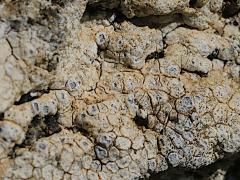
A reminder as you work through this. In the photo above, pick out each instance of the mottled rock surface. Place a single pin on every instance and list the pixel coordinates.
(118, 89)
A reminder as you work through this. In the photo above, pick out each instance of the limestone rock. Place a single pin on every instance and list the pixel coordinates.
(113, 89)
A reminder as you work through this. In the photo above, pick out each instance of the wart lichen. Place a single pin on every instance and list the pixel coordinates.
(132, 88)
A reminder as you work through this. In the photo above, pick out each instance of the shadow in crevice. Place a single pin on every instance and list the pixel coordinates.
(31, 95)
(230, 8)
(94, 12)
(101, 13)
(1, 116)
(41, 127)
(229, 164)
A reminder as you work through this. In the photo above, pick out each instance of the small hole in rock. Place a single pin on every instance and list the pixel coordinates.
(213, 55)
(235, 23)
(140, 121)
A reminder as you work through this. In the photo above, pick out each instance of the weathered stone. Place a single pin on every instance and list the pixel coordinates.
(118, 89)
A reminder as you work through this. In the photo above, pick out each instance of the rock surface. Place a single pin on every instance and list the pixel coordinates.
(117, 89)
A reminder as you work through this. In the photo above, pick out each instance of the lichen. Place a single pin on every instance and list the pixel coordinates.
(117, 89)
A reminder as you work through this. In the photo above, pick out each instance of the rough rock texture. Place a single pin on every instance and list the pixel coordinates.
(117, 89)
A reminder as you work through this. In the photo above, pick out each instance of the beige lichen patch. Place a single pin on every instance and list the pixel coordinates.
(110, 97)
(130, 46)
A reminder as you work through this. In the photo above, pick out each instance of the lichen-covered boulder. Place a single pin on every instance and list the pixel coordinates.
(117, 89)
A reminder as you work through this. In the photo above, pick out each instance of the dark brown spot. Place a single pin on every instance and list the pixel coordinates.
(140, 121)
(230, 8)
(192, 3)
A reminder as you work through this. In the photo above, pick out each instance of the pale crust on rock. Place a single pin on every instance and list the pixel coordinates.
(131, 88)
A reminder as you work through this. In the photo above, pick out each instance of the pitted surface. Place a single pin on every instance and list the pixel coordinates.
(105, 95)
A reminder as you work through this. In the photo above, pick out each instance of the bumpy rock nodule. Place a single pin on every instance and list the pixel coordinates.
(86, 92)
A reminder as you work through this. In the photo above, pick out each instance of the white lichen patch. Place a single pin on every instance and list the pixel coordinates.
(90, 93)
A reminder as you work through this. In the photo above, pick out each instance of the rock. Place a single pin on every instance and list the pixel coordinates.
(118, 89)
